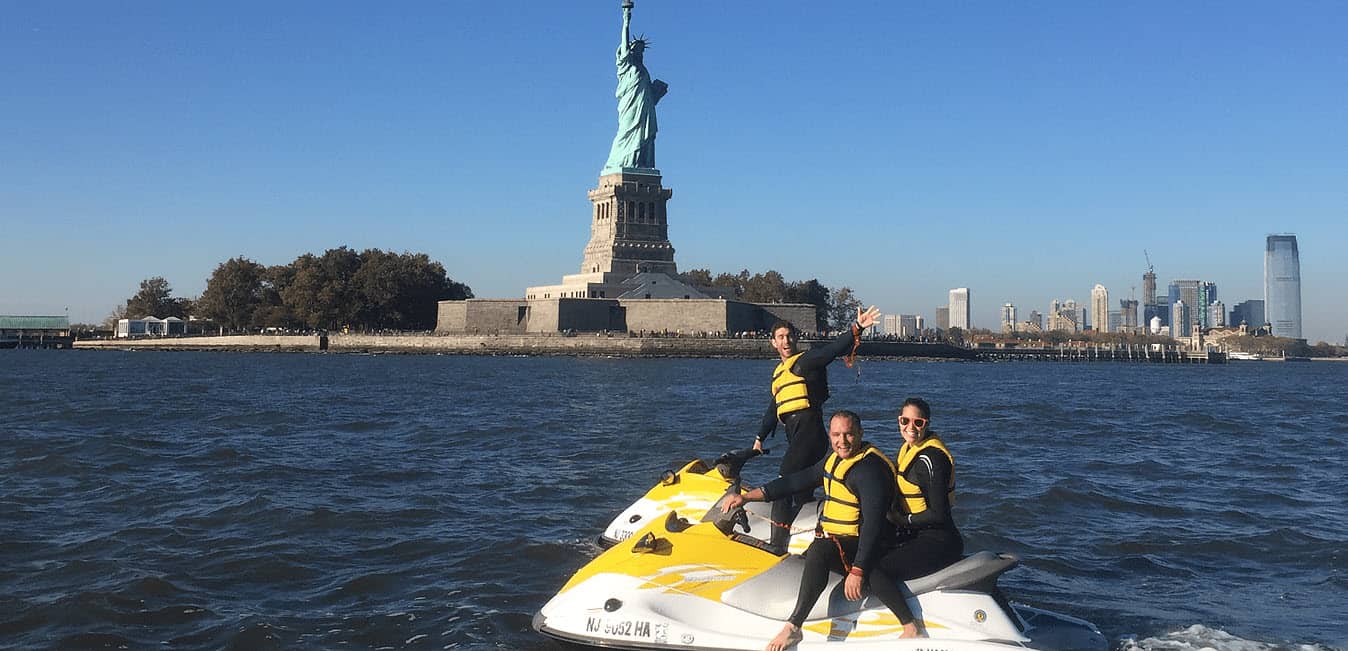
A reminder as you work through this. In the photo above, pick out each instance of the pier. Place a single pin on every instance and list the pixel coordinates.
(1162, 355)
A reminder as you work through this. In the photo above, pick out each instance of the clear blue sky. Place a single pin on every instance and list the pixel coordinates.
(1024, 150)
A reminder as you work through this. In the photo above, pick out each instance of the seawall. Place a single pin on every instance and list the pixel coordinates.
(589, 345)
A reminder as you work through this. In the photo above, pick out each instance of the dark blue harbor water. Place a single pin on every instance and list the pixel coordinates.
(272, 501)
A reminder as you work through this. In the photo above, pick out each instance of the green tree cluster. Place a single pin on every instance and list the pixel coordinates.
(833, 308)
(342, 288)
(156, 299)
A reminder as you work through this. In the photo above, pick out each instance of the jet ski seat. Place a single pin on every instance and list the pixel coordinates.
(772, 594)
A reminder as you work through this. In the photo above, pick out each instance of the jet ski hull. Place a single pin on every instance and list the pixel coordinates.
(680, 585)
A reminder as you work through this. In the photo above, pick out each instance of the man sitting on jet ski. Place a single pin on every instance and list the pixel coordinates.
(853, 531)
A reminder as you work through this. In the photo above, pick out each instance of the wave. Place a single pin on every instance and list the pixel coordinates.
(1199, 637)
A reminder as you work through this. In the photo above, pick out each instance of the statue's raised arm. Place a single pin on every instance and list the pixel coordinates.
(624, 43)
(634, 144)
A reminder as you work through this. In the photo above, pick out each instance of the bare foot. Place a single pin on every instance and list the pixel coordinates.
(910, 630)
(789, 636)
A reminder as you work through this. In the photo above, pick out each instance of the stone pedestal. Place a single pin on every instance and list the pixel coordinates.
(629, 226)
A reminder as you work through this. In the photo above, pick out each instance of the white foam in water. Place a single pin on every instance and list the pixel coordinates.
(1202, 638)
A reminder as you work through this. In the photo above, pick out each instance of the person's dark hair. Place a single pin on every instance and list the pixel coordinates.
(921, 405)
(782, 323)
(850, 416)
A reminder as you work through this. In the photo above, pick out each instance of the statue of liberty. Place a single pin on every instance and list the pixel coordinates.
(634, 144)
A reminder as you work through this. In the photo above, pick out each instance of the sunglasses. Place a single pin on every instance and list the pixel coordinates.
(917, 422)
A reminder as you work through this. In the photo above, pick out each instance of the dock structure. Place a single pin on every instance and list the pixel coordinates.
(1144, 354)
(35, 332)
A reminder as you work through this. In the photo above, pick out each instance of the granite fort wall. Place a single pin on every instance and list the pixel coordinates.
(513, 316)
(483, 316)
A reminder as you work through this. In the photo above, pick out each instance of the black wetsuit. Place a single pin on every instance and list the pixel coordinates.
(872, 481)
(926, 541)
(806, 437)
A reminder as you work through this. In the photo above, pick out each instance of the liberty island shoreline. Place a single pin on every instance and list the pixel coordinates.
(622, 345)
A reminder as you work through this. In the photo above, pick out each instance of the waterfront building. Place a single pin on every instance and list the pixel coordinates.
(959, 308)
(1100, 308)
(889, 324)
(1066, 316)
(1217, 315)
(1160, 309)
(1115, 321)
(35, 331)
(1128, 314)
(1154, 325)
(1250, 313)
(1181, 321)
(911, 325)
(1008, 318)
(1183, 290)
(1149, 288)
(150, 327)
(1282, 285)
(1037, 320)
(943, 318)
(1207, 295)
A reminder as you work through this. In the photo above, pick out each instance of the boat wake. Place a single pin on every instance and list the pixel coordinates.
(1199, 638)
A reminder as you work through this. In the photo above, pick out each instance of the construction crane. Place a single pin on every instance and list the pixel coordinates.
(1149, 267)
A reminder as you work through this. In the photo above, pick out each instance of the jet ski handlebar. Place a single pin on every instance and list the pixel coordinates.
(730, 463)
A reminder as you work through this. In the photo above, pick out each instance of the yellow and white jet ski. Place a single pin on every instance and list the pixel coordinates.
(674, 584)
(693, 489)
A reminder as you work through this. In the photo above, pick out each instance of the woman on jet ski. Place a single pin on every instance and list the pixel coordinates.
(927, 537)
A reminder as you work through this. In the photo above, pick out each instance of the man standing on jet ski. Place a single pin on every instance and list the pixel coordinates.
(799, 389)
(853, 530)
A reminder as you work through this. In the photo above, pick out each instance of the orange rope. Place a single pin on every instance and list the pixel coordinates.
(851, 357)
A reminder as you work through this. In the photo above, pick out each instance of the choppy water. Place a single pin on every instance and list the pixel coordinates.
(255, 501)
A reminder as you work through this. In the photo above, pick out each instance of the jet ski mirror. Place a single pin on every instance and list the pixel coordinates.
(649, 544)
(669, 478)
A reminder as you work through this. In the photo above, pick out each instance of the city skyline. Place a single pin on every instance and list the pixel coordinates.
(164, 140)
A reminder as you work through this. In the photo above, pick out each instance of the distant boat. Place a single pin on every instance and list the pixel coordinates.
(1235, 355)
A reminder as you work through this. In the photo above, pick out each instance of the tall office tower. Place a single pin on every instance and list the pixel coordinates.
(1282, 285)
(943, 318)
(1149, 288)
(1183, 290)
(1008, 318)
(1181, 320)
(1250, 312)
(910, 325)
(1207, 295)
(1128, 313)
(891, 324)
(959, 308)
(1217, 315)
(1037, 319)
(1115, 321)
(1100, 308)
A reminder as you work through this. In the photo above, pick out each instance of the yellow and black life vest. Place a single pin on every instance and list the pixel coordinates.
(842, 509)
(788, 389)
(910, 497)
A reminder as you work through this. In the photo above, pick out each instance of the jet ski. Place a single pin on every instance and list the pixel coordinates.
(705, 585)
(694, 488)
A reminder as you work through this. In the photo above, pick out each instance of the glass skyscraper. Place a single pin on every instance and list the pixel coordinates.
(1282, 285)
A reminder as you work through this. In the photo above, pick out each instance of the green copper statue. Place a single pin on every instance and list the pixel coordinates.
(634, 145)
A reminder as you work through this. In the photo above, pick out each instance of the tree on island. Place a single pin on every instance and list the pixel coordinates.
(234, 294)
(370, 290)
(155, 298)
(844, 308)
(768, 287)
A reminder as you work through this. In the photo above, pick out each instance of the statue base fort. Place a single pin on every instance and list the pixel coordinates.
(627, 280)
